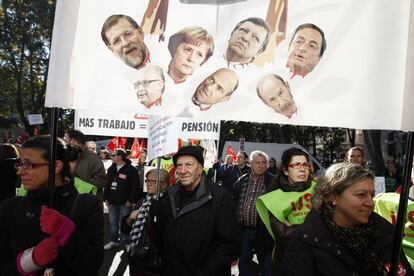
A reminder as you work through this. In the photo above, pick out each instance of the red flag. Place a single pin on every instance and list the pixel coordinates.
(122, 142)
(135, 149)
(113, 144)
(194, 142)
(180, 143)
(231, 152)
(142, 145)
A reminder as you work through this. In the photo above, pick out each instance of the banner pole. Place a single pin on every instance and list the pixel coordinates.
(158, 177)
(54, 116)
(402, 207)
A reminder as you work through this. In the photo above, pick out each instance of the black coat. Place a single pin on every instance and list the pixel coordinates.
(127, 188)
(231, 174)
(201, 238)
(20, 230)
(8, 179)
(314, 251)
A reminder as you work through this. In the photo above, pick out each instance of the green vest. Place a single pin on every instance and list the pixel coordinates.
(386, 205)
(80, 185)
(287, 207)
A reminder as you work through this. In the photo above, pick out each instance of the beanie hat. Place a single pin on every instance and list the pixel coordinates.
(193, 151)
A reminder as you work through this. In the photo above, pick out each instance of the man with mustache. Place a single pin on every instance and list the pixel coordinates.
(125, 38)
(150, 86)
(248, 39)
(305, 49)
(189, 48)
(217, 88)
(275, 93)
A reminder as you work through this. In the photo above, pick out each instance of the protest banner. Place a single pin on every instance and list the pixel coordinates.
(355, 74)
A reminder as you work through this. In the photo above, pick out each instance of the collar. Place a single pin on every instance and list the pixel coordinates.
(234, 65)
(286, 186)
(156, 102)
(147, 60)
(67, 188)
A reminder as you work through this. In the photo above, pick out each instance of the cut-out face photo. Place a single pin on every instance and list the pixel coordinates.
(125, 38)
(305, 49)
(217, 88)
(150, 85)
(248, 39)
(275, 93)
(189, 48)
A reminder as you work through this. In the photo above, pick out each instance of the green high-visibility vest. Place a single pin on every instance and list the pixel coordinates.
(81, 186)
(386, 205)
(287, 207)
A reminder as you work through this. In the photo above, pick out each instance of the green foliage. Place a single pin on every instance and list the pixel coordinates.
(26, 30)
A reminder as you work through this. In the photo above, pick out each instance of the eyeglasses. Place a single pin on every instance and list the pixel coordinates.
(144, 83)
(29, 165)
(150, 181)
(299, 165)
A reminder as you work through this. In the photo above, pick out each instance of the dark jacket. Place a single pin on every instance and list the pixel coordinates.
(231, 174)
(90, 168)
(263, 240)
(20, 230)
(281, 231)
(201, 238)
(134, 268)
(314, 251)
(8, 179)
(127, 185)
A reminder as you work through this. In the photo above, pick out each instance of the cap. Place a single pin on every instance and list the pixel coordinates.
(193, 151)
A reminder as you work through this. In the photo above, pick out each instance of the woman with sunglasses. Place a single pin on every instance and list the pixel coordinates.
(286, 207)
(34, 238)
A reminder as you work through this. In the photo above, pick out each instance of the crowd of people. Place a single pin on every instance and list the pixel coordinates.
(191, 220)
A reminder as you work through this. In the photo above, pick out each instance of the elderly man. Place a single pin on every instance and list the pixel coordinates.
(355, 155)
(275, 93)
(305, 49)
(255, 237)
(189, 48)
(248, 39)
(217, 88)
(196, 221)
(150, 86)
(91, 146)
(125, 38)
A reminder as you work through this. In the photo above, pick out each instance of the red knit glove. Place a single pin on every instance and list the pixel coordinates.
(35, 258)
(55, 224)
(45, 251)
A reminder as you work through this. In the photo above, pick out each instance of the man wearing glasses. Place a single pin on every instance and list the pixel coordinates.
(150, 86)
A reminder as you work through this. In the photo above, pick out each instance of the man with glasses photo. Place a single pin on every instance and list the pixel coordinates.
(150, 86)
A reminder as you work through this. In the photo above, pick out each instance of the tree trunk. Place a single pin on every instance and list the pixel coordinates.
(372, 140)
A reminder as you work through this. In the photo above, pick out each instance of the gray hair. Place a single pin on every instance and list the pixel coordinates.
(255, 153)
(164, 177)
(335, 180)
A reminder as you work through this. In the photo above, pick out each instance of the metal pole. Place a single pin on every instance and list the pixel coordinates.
(402, 207)
(158, 182)
(54, 115)
(158, 177)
